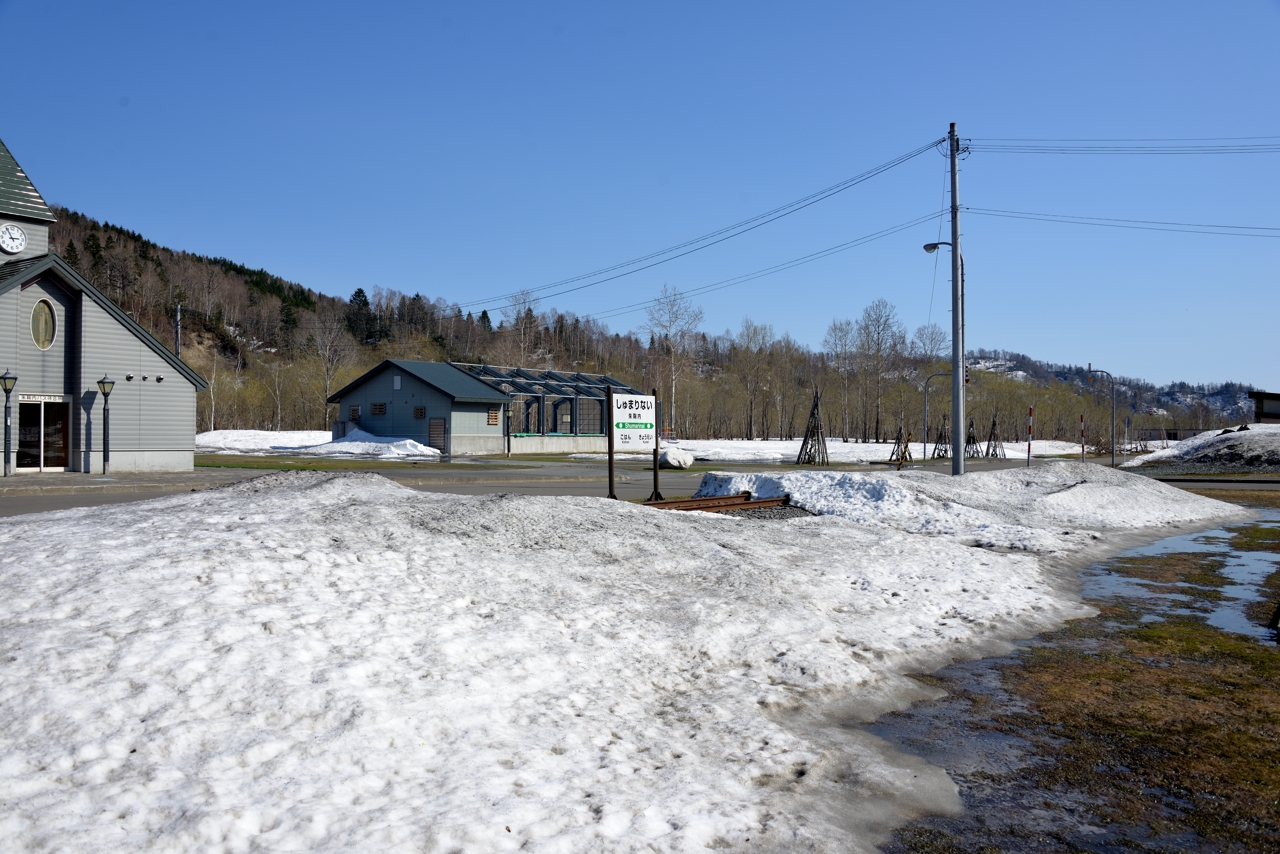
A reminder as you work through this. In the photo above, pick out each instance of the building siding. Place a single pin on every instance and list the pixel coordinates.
(146, 415)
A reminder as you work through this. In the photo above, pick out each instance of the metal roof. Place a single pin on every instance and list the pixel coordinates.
(449, 380)
(17, 273)
(551, 383)
(18, 196)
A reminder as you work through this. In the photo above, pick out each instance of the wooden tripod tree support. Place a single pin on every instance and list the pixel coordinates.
(971, 446)
(901, 449)
(813, 450)
(995, 448)
(942, 447)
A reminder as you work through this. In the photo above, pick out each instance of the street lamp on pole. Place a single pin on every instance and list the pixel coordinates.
(957, 359)
(1093, 370)
(105, 385)
(926, 412)
(7, 382)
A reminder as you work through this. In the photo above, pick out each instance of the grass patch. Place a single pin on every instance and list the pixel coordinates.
(1255, 538)
(1245, 497)
(1170, 718)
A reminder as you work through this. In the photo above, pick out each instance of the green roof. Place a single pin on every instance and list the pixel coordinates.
(453, 382)
(18, 196)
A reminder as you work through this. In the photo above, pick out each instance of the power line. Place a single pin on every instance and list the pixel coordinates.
(708, 240)
(1133, 139)
(1139, 224)
(1124, 147)
(777, 268)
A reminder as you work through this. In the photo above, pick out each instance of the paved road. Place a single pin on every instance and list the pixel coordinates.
(28, 493)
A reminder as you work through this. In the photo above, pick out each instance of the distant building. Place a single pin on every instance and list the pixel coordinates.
(61, 335)
(478, 409)
(1266, 407)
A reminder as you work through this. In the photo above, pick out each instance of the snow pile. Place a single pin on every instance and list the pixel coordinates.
(358, 443)
(673, 457)
(1256, 447)
(1047, 509)
(310, 443)
(334, 662)
(259, 442)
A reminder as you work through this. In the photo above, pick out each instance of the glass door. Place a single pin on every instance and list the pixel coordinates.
(57, 423)
(44, 436)
(29, 429)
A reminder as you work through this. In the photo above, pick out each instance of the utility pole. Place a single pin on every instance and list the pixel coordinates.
(177, 331)
(957, 313)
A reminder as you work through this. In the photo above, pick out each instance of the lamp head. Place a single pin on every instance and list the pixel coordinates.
(8, 381)
(105, 385)
(931, 248)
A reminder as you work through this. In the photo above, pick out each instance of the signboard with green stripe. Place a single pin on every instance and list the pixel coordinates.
(634, 422)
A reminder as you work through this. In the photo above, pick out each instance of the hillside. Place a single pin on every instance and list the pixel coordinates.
(273, 351)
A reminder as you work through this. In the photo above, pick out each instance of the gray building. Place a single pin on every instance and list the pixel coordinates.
(432, 403)
(59, 335)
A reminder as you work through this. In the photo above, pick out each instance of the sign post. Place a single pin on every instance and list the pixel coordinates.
(1030, 412)
(657, 495)
(608, 410)
(632, 426)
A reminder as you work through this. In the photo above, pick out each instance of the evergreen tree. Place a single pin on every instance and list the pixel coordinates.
(360, 319)
(485, 321)
(71, 255)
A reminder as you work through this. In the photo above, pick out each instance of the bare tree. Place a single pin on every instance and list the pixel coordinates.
(839, 344)
(333, 348)
(753, 343)
(673, 323)
(881, 339)
(520, 315)
(929, 342)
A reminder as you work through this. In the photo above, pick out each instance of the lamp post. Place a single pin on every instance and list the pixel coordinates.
(105, 385)
(7, 382)
(1093, 370)
(957, 357)
(926, 412)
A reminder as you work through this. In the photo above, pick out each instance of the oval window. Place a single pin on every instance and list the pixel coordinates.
(43, 324)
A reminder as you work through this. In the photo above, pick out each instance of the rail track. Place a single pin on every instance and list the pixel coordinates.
(720, 503)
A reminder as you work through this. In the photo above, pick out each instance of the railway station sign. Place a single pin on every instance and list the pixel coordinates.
(634, 422)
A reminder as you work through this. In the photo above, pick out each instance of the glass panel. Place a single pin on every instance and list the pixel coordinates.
(57, 420)
(28, 435)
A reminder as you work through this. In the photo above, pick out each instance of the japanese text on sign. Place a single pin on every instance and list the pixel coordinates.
(634, 422)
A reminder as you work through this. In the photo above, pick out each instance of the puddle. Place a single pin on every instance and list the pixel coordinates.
(1245, 569)
(1017, 761)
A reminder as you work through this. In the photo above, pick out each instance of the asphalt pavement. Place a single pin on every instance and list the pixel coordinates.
(39, 493)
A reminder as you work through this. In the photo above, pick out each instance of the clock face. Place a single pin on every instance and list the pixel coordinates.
(12, 238)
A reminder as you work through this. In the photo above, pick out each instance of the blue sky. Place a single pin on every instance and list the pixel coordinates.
(467, 150)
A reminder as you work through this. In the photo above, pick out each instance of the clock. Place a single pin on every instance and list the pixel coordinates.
(12, 238)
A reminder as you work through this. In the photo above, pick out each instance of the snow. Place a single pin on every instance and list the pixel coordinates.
(330, 661)
(310, 443)
(1259, 445)
(854, 453)
(673, 457)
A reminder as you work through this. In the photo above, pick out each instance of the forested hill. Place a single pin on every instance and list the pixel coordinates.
(150, 281)
(274, 350)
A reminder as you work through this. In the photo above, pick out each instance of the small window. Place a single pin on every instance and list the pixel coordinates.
(419, 412)
(395, 383)
(377, 409)
(43, 324)
(354, 414)
(493, 416)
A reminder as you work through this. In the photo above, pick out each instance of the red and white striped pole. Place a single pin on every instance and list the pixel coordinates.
(1030, 412)
(1081, 438)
